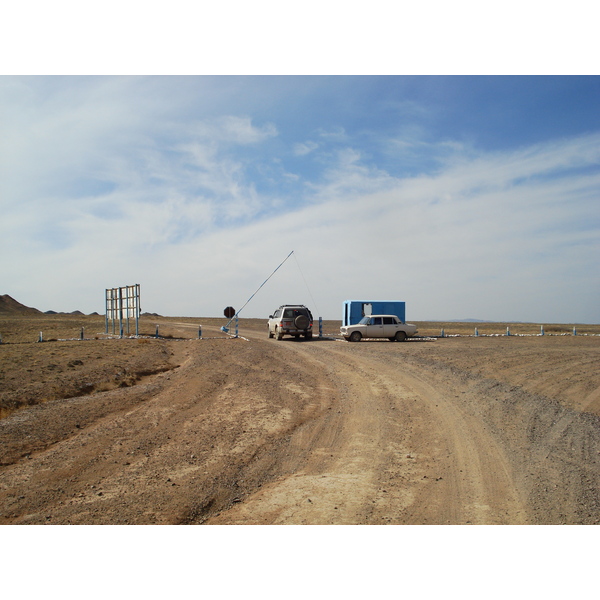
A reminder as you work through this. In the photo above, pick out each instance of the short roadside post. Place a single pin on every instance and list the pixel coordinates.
(320, 327)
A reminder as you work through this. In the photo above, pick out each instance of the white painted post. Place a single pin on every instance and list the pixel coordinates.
(121, 311)
(476, 332)
(443, 334)
(41, 338)
(542, 330)
(507, 331)
(574, 331)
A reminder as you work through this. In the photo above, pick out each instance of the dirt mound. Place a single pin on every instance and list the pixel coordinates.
(9, 306)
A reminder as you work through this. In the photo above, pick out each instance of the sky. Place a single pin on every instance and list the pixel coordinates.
(464, 196)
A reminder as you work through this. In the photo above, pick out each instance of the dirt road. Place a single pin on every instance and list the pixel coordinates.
(258, 431)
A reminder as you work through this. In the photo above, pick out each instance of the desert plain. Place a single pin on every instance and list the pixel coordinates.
(178, 429)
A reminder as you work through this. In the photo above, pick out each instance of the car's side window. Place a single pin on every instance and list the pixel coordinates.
(377, 321)
(276, 314)
(388, 321)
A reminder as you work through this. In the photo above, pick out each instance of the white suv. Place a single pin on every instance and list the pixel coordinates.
(291, 319)
(379, 326)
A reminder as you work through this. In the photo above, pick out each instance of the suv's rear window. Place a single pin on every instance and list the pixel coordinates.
(291, 313)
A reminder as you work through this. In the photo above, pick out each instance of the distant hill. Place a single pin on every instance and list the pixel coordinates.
(9, 306)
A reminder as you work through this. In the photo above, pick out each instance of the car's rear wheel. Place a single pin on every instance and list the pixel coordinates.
(270, 334)
(400, 336)
(278, 334)
(355, 336)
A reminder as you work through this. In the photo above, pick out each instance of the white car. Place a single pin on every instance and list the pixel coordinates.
(379, 326)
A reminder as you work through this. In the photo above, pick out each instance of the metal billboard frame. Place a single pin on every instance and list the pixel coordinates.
(122, 304)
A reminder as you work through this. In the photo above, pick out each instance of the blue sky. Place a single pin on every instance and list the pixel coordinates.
(465, 196)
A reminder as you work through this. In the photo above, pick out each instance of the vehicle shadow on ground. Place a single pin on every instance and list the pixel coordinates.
(302, 340)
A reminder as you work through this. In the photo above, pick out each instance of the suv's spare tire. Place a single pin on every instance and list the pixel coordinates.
(301, 321)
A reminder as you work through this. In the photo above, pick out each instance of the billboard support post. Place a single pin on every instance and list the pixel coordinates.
(122, 304)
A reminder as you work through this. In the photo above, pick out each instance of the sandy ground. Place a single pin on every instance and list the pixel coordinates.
(460, 430)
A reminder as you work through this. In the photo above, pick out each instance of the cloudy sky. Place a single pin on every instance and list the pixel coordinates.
(464, 196)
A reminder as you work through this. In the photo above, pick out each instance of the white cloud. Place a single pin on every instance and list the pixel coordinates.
(494, 254)
(305, 148)
(233, 129)
(334, 134)
(96, 193)
(485, 239)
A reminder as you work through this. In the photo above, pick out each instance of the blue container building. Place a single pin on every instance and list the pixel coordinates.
(355, 310)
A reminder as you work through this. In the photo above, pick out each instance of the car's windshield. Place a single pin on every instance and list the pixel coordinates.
(364, 321)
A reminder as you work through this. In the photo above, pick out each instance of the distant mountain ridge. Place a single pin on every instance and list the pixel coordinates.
(9, 305)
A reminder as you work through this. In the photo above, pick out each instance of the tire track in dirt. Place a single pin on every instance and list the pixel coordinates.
(394, 450)
(327, 473)
(468, 479)
(261, 431)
